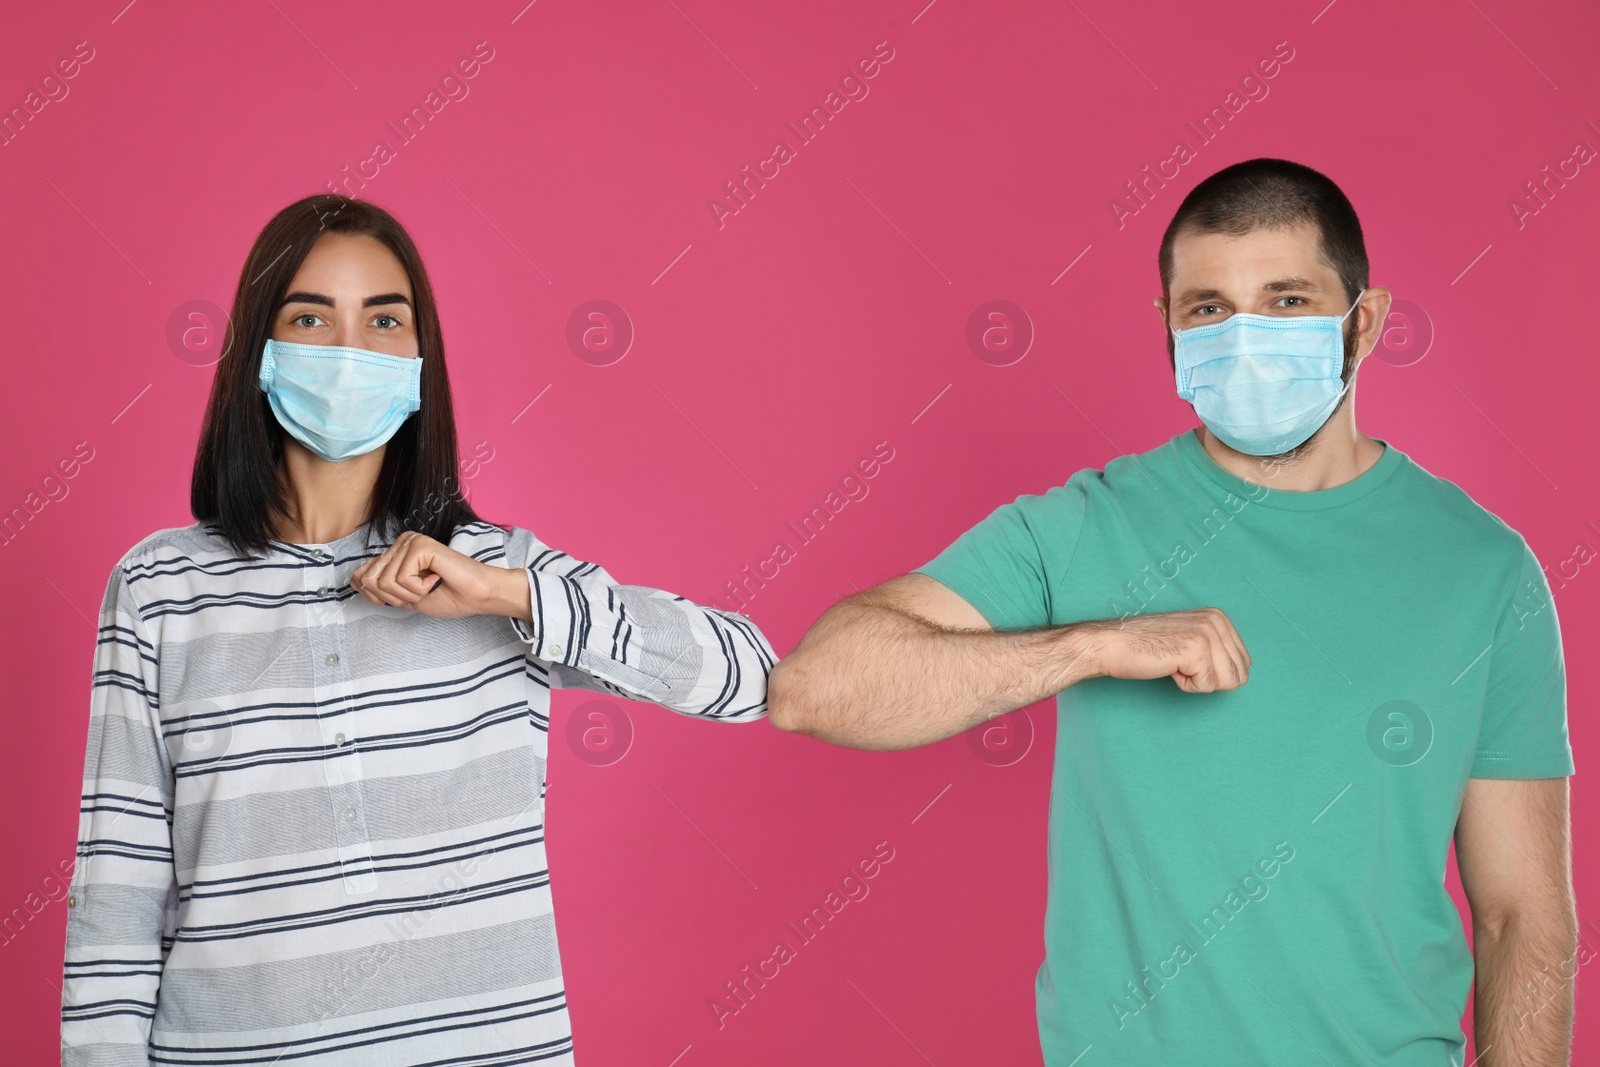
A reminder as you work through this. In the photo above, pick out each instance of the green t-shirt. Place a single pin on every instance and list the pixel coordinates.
(1257, 876)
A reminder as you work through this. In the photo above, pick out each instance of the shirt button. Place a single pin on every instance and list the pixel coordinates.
(555, 650)
(324, 591)
(331, 659)
(338, 739)
(350, 814)
(72, 901)
(318, 553)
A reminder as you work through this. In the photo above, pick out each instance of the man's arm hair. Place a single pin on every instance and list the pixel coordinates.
(910, 662)
(1513, 846)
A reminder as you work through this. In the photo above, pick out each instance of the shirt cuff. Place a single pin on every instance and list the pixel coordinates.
(559, 629)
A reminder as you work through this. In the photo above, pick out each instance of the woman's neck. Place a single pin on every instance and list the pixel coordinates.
(325, 501)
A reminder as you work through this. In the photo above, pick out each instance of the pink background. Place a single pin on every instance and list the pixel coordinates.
(772, 353)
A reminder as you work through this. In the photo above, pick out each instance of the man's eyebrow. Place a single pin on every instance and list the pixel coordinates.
(1190, 296)
(371, 301)
(1293, 284)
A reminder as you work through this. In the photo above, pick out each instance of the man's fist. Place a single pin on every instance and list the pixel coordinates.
(1199, 650)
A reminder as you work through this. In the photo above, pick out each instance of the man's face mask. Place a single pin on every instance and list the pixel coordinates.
(1263, 383)
(339, 402)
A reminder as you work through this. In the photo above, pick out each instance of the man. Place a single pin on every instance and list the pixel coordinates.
(1290, 663)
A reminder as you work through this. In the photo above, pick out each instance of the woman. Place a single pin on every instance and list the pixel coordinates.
(313, 808)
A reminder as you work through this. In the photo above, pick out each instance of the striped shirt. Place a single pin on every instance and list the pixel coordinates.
(312, 829)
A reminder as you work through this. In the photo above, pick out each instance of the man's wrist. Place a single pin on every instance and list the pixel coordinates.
(1077, 650)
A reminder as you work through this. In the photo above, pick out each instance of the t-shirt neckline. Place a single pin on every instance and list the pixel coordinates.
(1201, 463)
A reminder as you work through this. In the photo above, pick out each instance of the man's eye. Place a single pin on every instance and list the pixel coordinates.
(1299, 298)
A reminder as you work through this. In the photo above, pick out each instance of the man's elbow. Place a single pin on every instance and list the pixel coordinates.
(787, 708)
(1543, 918)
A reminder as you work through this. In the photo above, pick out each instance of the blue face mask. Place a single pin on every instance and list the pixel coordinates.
(339, 402)
(1263, 383)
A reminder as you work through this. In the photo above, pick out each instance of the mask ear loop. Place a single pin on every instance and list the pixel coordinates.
(1354, 304)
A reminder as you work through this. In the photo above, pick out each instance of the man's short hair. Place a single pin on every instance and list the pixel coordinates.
(1270, 194)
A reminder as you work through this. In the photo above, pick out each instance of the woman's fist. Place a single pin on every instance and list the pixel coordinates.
(419, 573)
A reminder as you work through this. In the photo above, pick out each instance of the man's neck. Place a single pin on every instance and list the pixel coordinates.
(1336, 454)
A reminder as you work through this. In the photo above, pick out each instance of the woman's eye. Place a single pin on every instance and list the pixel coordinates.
(390, 318)
(300, 319)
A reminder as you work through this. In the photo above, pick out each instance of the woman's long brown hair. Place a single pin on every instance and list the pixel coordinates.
(236, 484)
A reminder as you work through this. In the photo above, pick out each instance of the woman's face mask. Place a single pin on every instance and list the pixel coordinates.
(339, 402)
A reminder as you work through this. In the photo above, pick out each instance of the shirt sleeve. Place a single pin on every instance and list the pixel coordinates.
(1524, 728)
(1003, 566)
(637, 642)
(122, 902)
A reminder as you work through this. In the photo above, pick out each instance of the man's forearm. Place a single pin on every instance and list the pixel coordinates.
(868, 676)
(1522, 1012)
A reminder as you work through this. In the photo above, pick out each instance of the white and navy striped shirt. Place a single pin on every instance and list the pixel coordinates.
(312, 830)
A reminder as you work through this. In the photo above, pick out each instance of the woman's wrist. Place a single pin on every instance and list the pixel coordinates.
(512, 596)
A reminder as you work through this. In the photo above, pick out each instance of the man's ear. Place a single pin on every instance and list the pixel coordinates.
(1377, 301)
(1161, 308)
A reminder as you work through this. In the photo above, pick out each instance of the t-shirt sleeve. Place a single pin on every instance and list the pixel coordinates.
(1005, 564)
(1524, 728)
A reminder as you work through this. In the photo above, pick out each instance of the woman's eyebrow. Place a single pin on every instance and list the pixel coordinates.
(306, 298)
(318, 298)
